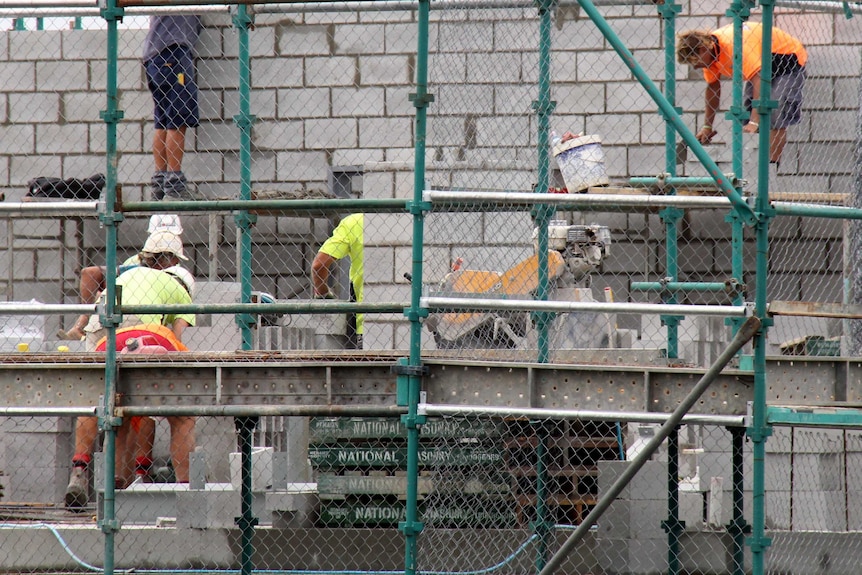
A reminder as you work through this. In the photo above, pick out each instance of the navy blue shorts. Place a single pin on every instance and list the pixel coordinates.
(787, 90)
(171, 80)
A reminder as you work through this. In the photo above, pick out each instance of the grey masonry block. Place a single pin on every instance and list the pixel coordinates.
(854, 509)
(303, 40)
(54, 139)
(777, 508)
(385, 70)
(650, 483)
(819, 511)
(818, 440)
(39, 45)
(388, 229)
(352, 101)
(499, 131)
(378, 185)
(34, 108)
(633, 520)
(61, 76)
(223, 74)
(361, 39)
(379, 262)
(330, 133)
(385, 132)
(818, 472)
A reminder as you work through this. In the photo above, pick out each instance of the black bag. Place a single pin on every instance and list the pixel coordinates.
(70, 189)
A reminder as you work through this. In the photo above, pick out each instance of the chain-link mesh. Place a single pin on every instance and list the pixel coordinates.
(811, 492)
(332, 118)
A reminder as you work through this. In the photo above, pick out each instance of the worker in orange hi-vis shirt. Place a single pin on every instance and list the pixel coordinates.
(712, 52)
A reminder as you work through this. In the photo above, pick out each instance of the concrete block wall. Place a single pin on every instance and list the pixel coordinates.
(332, 89)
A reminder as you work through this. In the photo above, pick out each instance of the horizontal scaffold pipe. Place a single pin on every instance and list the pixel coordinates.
(263, 410)
(580, 414)
(284, 307)
(341, 5)
(49, 4)
(475, 199)
(492, 304)
(813, 210)
(680, 286)
(71, 209)
(7, 308)
(47, 411)
(77, 12)
(328, 205)
(842, 7)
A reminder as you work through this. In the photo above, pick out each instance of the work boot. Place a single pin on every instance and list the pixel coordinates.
(78, 490)
(176, 187)
(157, 186)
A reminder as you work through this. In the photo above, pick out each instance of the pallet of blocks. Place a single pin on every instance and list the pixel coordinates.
(569, 452)
(360, 466)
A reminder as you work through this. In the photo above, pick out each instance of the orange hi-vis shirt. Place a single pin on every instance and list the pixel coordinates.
(752, 50)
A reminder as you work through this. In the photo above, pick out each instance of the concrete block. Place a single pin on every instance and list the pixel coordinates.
(61, 76)
(650, 483)
(352, 101)
(330, 133)
(385, 70)
(34, 108)
(633, 520)
(302, 39)
(854, 509)
(385, 132)
(819, 511)
(777, 507)
(53, 139)
(818, 472)
(261, 468)
(36, 45)
(216, 507)
(818, 440)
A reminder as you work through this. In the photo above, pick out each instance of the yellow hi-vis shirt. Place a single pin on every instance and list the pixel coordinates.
(148, 286)
(347, 241)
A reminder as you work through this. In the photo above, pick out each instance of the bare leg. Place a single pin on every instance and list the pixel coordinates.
(86, 432)
(144, 440)
(160, 154)
(182, 444)
(777, 141)
(175, 145)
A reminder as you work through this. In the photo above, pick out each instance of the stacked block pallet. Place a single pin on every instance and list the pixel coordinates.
(472, 473)
(360, 466)
(571, 451)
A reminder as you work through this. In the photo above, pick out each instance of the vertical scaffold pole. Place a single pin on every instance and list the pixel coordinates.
(670, 215)
(544, 107)
(410, 371)
(760, 429)
(109, 218)
(672, 525)
(737, 528)
(246, 521)
(739, 11)
(243, 21)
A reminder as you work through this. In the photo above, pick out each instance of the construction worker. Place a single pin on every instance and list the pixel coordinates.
(148, 283)
(347, 240)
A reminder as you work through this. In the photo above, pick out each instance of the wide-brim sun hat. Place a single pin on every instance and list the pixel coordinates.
(165, 242)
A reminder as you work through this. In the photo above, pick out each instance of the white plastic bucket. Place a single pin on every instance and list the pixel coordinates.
(582, 163)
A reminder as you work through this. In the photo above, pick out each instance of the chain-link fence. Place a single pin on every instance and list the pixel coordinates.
(328, 494)
(330, 115)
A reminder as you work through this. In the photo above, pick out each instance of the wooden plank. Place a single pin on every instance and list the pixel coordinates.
(815, 309)
(330, 429)
(363, 457)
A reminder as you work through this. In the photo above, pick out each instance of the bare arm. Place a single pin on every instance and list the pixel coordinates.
(320, 269)
(179, 327)
(712, 100)
(753, 124)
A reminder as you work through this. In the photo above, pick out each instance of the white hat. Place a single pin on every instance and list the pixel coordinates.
(165, 223)
(162, 242)
(184, 276)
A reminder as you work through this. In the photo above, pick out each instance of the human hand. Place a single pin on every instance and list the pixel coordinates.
(569, 136)
(751, 128)
(706, 134)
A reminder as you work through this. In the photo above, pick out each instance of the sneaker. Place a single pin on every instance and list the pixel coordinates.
(78, 490)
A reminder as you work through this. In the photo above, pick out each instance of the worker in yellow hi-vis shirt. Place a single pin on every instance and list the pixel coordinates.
(346, 241)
